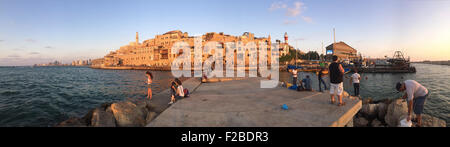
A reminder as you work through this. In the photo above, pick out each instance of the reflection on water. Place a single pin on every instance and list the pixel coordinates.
(381, 86)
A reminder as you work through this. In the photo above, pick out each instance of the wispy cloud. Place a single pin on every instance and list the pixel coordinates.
(34, 53)
(30, 40)
(307, 19)
(277, 5)
(294, 11)
(14, 56)
(2, 40)
(49, 47)
(287, 22)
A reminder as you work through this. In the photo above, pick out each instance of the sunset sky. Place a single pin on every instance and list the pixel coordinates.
(40, 31)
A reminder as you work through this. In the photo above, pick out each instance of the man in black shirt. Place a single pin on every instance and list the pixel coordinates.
(336, 72)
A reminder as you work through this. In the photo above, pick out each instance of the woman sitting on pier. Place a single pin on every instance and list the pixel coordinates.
(177, 90)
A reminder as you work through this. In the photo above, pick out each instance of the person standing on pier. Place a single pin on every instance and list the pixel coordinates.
(355, 79)
(294, 76)
(321, 81)
(336, 72)
(149, 84)
(416, 95)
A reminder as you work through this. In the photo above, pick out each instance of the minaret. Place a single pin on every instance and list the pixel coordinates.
(285, 38)
(137, 38)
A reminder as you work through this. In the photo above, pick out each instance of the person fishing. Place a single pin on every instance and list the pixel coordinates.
(321, 81)
(306, 82)
(416, 95)
(355, 79)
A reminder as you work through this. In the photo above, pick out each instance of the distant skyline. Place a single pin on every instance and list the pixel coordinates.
(41, 31)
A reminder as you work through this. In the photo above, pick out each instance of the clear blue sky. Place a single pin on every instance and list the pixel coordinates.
(39, 31)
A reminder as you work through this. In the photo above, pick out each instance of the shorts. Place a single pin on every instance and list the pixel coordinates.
(339, 88)
(149, 85)
(418, 103)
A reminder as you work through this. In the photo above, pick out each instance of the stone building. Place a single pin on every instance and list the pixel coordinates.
(157, 51)
(342, 50)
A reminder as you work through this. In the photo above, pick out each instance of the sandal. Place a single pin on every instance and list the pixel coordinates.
(341, 104)
(332, 102)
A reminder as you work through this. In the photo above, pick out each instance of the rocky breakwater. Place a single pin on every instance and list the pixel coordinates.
(129, 113)
(119, 114)
(389, 113)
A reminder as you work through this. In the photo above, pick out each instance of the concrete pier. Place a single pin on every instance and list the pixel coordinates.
(242, 103)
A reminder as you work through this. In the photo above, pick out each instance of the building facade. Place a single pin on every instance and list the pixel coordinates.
(342, 50)
(157, 51)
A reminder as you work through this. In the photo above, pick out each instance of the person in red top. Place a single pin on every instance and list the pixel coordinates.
(149, 86)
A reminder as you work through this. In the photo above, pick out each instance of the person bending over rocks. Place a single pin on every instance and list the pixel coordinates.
(416, 95)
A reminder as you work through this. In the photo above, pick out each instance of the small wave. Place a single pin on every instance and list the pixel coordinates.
(9, 93)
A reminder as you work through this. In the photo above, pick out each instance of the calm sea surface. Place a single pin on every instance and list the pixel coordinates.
(381, 86)
(44, 96)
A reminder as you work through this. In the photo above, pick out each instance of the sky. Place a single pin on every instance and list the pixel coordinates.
(40, 31)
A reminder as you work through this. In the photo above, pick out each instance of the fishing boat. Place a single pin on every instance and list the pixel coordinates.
(397, 64)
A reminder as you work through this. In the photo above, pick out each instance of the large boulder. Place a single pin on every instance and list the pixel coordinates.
(150, 117)
(429, 121)
(382, 110)
(396, 110)
(360, 122)
(103, 118)
(370, 111)
(367, 101)
(72, 122)
(376, 123)
(127, 114)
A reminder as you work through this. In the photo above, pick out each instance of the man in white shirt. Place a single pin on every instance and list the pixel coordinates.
(355, 78)
(416, 95)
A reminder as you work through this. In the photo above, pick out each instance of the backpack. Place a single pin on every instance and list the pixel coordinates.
(186, 92)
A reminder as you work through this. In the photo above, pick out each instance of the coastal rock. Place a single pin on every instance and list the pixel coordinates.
(155, 108)
(382, 110)
(370, 111)
(72, 122)
(127, 114)
(376, 123)
(360, 122)
(367, 101)
(103, 118)
(150, 117)
(395, 111)
(430, 121)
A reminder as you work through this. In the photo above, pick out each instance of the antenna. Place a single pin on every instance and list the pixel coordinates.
(334, 35)
(323, 53)
(334, 38)
(296, 44)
